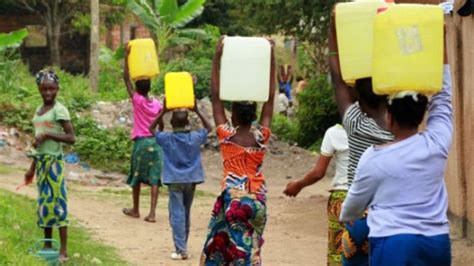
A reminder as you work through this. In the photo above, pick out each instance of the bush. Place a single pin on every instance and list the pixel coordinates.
(317, 111)
(108, 150)
(111, 86)
(285, 128)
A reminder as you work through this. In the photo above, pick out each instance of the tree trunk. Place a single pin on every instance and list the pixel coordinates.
(55, 55)
(94, 46)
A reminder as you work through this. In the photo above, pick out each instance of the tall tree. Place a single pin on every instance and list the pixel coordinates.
(54, 13)
(307, 20)
(94, 46)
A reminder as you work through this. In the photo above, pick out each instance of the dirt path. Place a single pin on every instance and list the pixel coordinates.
(295, 233)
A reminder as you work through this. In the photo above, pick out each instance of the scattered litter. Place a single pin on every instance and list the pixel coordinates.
(71, 158)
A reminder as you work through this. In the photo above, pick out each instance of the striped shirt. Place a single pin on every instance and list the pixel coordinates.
(362, 132)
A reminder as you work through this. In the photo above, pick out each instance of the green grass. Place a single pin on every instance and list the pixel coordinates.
(18, 232)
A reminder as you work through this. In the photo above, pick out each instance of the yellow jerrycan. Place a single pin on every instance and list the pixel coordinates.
(245, 69)
(143, 60)
(354, 30)
(408, 49)
(179, 90)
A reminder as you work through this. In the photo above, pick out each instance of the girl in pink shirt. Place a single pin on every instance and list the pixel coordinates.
(146, 155)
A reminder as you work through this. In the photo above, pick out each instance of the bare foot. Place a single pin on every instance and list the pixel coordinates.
(63, 258)
(150, 218)
(131, 213)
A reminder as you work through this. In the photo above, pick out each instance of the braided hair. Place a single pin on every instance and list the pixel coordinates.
(47, 74)
(408, 111)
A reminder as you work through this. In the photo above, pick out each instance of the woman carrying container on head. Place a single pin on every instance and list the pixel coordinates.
(239, 214)
(402, 183)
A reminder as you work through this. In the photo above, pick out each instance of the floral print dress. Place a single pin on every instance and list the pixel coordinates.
(239, 215)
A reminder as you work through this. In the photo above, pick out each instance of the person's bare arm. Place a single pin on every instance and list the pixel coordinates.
(344, 97)
(30, 174)
(204, 120)
(267, 109)
(159, 120)
(317, 173)
(217, 104)
(126, 74)
(66, 137)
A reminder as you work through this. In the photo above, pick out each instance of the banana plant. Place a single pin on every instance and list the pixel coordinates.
(166, 20)
(12, 39)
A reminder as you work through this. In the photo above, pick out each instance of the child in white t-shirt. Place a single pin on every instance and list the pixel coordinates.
(335, 145)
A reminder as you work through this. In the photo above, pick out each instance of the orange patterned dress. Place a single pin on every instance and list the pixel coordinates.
(239, 215)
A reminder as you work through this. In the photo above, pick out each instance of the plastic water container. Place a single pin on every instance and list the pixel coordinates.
(354, 30)
(50, 256)
(245, 69)
(408, 49)
(142, 60)
(179, 90)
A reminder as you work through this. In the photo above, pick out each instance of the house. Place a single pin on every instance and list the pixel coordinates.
(74, 46)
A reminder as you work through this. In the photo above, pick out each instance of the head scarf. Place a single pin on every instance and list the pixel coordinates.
(47, 75)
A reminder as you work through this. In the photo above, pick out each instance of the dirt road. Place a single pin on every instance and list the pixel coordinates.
(295, 233)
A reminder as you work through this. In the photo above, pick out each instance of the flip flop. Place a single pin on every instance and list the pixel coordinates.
(148, 219)
(128, 212)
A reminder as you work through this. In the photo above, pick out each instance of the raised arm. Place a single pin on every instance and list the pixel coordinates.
(440, 112)
(342, 92)
(201, 116)
(217, 104)
(126, 74)
(267, 109)
(159, 120)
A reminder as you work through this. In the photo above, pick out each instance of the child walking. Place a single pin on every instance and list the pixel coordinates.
(238, 219)
(364, 121)
(53, 127)
(146, 155)
(334, 145)
(182, 170)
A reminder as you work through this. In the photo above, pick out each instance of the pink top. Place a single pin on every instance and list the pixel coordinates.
(144, 112)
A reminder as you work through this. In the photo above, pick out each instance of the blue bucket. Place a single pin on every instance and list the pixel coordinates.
(50, 255)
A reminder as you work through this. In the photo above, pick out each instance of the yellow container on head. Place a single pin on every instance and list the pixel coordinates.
(354, 30)
(408, 49)
(179, 90)
(143, 60)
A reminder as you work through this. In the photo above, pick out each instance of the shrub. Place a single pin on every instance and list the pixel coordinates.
(285, 128)
(111, 86)
(106, 149)
(317, 111)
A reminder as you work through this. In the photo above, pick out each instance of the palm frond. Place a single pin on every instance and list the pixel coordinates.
(190, 10)
(168, 10)
(146, 14)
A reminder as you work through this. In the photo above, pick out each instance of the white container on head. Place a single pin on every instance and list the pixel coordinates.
(245, 69)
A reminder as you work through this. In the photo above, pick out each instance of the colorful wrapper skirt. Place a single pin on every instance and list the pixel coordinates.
(52, 201)
(236, 229)
(146, 163)
(355, 241)
(335, 228)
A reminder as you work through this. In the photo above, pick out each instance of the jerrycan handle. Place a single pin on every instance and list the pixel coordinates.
(36, 246)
